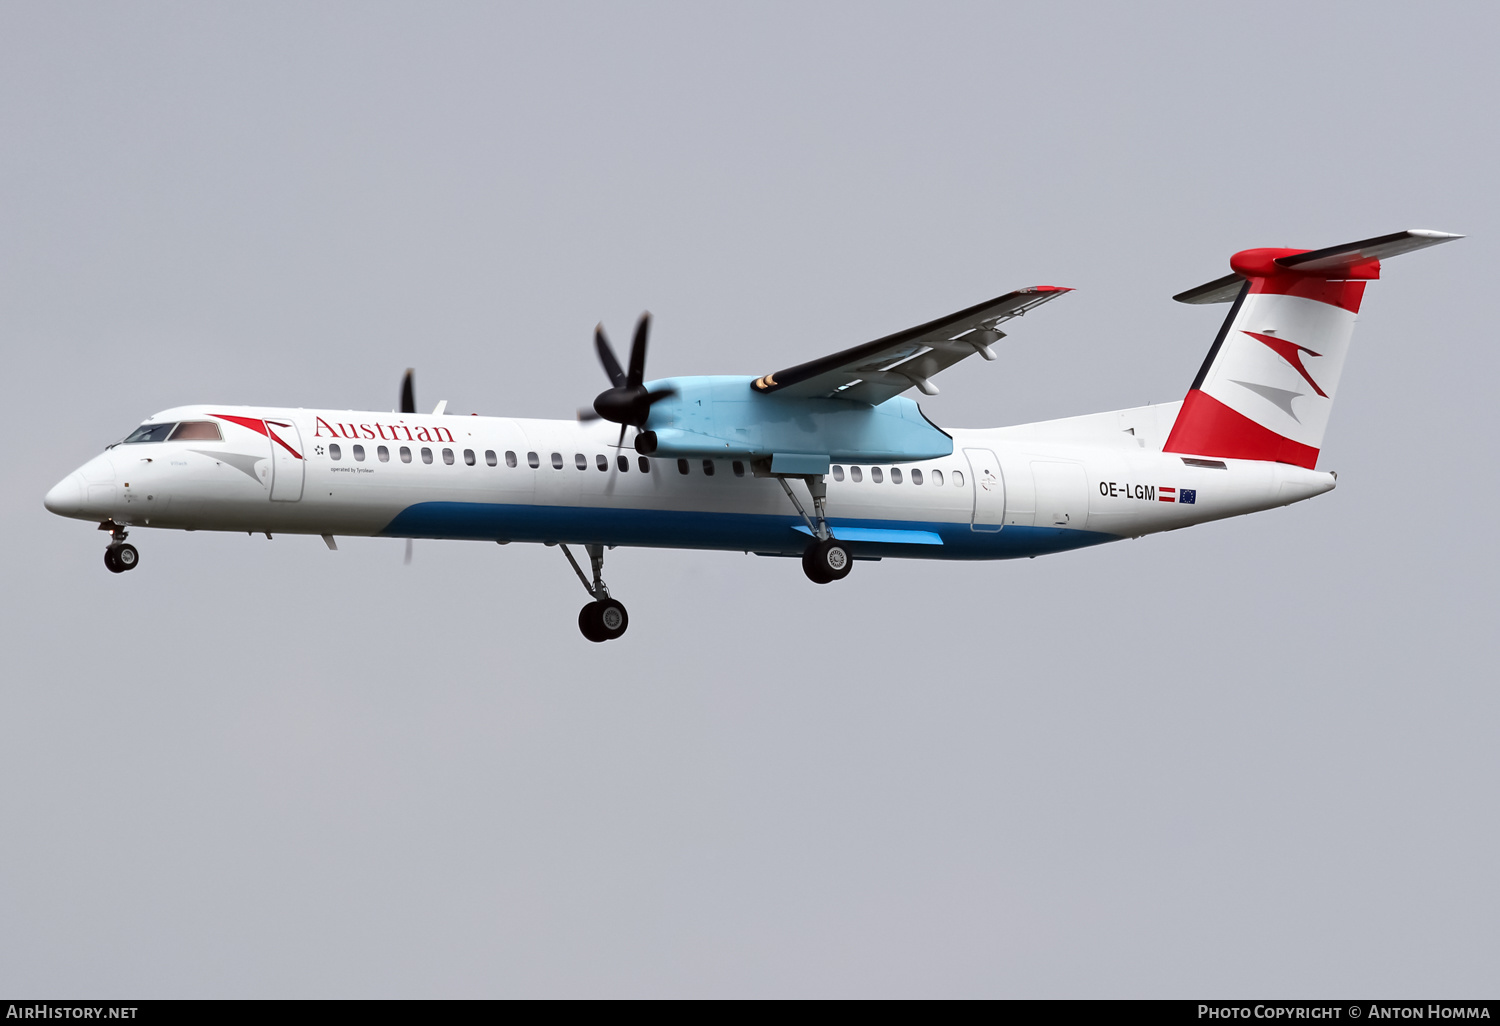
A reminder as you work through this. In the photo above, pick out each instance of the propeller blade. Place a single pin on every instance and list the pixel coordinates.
(408, 394)
(586, 415)
(407, 560)
(614, 464)
(607, 357)
(638, 352)
(659, 394)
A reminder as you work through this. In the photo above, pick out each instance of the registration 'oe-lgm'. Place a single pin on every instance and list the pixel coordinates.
(827, 460)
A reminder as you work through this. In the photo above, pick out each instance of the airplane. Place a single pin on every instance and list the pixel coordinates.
(717, 462)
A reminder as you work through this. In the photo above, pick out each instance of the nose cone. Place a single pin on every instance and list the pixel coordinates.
(66, 498)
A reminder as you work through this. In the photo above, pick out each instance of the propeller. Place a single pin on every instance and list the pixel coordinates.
(408, 394)
(628, 403)
(408, 405)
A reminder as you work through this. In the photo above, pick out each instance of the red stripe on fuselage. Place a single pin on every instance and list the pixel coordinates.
(259, 427)
(253, 423)
(1207, 427)
(277, 439)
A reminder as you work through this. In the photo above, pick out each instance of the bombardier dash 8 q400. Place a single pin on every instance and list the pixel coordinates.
(826, 460)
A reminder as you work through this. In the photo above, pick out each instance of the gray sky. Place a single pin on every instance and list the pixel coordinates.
(1256, 757)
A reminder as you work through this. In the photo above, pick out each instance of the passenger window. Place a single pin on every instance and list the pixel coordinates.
(468, 457)
(958, 479)
(877, 475)
(448, 457)
(383, 454)
(937, 477)
(359, 453)
(533, 460)
(426, 455)
(623, 462)
(557, 461)
(838, 472)
(856, 475)
(580, 461)
(405, 454)
(916, 476)
(601, 461)
(895, 475)
(149, 433)
(708, 468)
(334, 452)
(739, 468)
(490, 459)
(682, 466)
(196, 431)
(644, 464)
(510, 459)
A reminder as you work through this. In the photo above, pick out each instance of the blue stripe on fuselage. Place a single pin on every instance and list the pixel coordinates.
(749, 532)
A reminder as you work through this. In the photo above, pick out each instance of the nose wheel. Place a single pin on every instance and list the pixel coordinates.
(120, 558)
(603, 619)
(120, 555)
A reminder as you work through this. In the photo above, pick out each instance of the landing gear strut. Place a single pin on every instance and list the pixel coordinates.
(119, 556)
(603, 619)
(827, 559)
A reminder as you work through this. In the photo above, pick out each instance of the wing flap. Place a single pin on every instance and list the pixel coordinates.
(878, 370)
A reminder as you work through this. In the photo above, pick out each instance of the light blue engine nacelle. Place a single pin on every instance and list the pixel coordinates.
(717, 417)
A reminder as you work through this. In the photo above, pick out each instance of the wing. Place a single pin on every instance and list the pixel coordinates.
(875, 371)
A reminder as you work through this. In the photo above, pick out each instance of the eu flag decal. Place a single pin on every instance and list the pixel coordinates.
(1189, 495)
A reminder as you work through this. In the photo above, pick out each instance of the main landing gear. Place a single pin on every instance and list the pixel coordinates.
(603, 619)
(827, 559)
(119, 556)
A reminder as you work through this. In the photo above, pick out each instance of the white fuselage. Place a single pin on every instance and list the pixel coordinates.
(1004, 492)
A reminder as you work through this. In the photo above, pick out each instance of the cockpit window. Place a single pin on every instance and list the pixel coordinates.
(149, 433)
(196, 431)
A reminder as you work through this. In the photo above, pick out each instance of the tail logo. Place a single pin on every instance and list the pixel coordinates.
(1291, 352)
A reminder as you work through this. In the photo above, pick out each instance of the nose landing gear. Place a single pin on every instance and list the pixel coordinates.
(603, 619)
(119, 556)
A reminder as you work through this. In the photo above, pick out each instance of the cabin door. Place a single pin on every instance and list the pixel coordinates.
(989, 490)
(286, 460)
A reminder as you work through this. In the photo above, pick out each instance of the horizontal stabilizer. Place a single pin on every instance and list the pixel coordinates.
(1328, 262)
(1353, 260)
(1220, 290)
